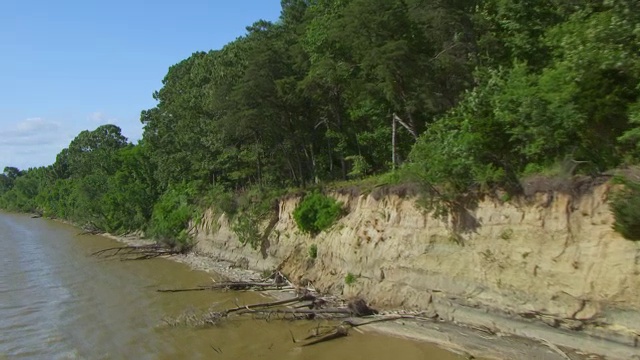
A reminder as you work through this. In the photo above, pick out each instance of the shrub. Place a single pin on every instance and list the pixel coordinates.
(625, 205)
(313, 251)
(316, 212)
(252, 208)
(222, 200)
(246, 228)
(360, 167)
(350, 279)
(507, 234)
(171, 215)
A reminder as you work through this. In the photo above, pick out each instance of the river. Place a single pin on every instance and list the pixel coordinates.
(58, 302)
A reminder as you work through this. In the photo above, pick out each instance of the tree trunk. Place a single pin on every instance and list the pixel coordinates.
(393, 142)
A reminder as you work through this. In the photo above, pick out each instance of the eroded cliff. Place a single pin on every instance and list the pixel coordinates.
(551, 257)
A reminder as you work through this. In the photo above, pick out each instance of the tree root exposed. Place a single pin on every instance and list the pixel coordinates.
(143, 252)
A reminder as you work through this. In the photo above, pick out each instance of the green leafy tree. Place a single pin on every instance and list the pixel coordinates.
(171, 215)
(8, 178)
(131, 192)
(94, 151)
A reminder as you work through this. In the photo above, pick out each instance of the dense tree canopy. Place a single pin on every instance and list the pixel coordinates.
(482, 92)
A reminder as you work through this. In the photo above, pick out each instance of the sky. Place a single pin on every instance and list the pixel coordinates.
(73, 65)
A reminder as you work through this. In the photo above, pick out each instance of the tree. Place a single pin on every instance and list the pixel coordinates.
(131, 192)
(8, 178)
(94, 152)
(12, 172)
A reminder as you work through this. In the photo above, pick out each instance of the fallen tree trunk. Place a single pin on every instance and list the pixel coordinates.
(91, 229)
(340, 331)
(307, 306)
(233, 285)
(269, 310)
(336, 311)
(275, 281)
(142, 252)
(343, 328)
(253, 307)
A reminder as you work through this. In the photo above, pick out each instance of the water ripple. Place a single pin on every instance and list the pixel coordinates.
(58, 303)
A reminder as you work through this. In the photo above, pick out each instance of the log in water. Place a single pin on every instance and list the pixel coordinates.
(57, 302)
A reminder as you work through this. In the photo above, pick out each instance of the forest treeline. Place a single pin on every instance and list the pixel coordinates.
(459, 95)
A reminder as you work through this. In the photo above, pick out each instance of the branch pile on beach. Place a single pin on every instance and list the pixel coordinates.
(141, 252)
(306, 304)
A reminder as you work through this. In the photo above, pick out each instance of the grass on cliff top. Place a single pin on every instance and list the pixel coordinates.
(371, 184)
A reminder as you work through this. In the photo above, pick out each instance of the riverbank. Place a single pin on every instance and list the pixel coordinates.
(479, 342)
(531, 277)
(546, 266)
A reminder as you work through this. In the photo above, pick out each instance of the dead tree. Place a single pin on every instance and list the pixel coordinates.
(142, 252)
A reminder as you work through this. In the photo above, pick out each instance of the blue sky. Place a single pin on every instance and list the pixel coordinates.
(72, 65)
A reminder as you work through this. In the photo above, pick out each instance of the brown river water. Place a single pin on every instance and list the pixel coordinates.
(58, 302)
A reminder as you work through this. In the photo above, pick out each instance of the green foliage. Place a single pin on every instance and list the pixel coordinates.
(94, 151)
(391, 178)
(171, 216)
(253, 208)
(360, 167)
(292, 102)
(316, 212)
(313, 251)
(507, 234)
(223, 200)
(565, 96)
(130, 193)
(511, 30)
(625, 205)
(350, 279)
(22, 188)
(247, 229)
(118, 202)
(630, 139)
(486, 92)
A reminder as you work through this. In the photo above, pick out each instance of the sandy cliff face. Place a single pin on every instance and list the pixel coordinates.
(553, 258)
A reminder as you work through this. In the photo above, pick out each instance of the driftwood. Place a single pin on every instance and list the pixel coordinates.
(307, 297)
(91, 229)
(233, 285)
(307, 305)
(300, 314)
(90, 232)
(310, 306)
(343, 328)
(142, 252)
(275, 310)
(275, 281)
(340, 331)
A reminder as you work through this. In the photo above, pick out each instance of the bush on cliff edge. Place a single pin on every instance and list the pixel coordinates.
(625, 205)
(316, 212)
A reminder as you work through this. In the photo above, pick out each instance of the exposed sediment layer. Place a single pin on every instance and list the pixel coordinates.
(547, 267)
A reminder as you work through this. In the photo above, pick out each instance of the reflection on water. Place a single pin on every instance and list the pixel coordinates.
(56, 302)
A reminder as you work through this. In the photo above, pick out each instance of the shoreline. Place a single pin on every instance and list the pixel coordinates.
(505, 338)
(473, 342)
